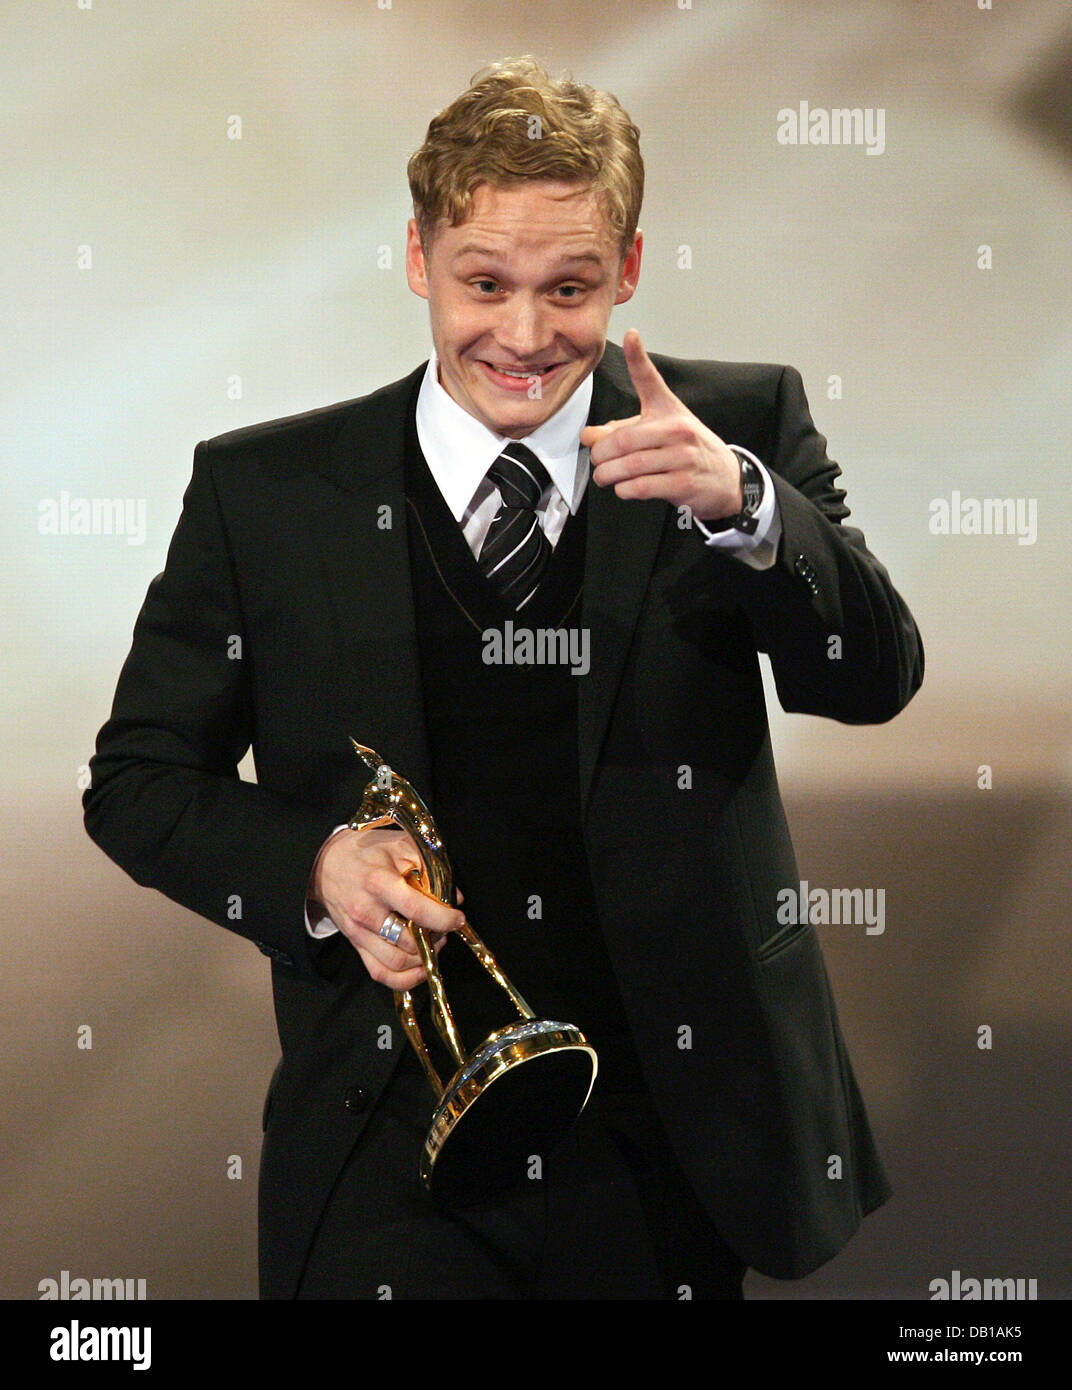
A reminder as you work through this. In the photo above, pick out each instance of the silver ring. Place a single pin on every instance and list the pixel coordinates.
(392, 927)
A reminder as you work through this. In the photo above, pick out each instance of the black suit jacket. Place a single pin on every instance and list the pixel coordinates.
(284, 619)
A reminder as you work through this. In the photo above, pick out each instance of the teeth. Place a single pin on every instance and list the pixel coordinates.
(507, 371)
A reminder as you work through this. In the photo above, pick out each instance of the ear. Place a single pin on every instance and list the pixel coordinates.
(416, 270)
(630, 272)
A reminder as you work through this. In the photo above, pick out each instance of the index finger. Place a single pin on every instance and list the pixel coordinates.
(452, 917)
(651, 389)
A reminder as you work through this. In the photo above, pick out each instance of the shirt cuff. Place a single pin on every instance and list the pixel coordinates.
(317, 921)
(760, 548)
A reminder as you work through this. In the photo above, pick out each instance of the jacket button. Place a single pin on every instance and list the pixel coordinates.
(357, 1100)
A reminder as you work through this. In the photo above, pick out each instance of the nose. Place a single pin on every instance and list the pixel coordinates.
(524, 330)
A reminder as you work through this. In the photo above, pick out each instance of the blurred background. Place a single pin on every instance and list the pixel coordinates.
(164, 281)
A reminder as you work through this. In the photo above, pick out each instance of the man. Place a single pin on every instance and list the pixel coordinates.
(614, 820)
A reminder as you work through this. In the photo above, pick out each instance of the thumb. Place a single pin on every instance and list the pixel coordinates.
(591, 434)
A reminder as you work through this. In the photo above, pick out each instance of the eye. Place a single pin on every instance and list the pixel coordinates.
(489, 286)
(571, 291)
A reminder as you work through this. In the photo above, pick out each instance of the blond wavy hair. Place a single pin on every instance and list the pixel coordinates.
(516, 123)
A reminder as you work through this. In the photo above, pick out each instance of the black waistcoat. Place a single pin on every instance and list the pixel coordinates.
(505, 789)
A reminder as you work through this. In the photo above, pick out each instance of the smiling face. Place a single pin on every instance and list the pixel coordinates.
(519, 297)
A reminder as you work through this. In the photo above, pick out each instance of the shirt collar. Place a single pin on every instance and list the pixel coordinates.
(460, 450)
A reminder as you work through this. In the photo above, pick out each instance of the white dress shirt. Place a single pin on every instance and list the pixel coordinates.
(459, 451)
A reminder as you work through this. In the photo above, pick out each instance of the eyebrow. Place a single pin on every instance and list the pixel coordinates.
(474, 250)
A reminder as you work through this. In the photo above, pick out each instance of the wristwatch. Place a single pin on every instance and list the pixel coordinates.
(751, 490)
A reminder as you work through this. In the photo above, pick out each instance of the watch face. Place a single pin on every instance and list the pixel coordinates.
(753, 494)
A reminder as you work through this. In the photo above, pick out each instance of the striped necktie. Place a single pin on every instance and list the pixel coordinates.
(516, 551)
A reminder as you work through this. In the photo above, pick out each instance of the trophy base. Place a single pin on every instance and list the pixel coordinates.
(515, 1098)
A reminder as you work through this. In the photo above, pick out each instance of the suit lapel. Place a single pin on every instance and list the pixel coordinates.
(621, 545)
(362, 537)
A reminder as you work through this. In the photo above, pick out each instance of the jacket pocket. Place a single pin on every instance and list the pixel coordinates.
(782, 938)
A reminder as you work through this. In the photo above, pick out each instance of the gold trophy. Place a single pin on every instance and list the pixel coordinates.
(518, 1092)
